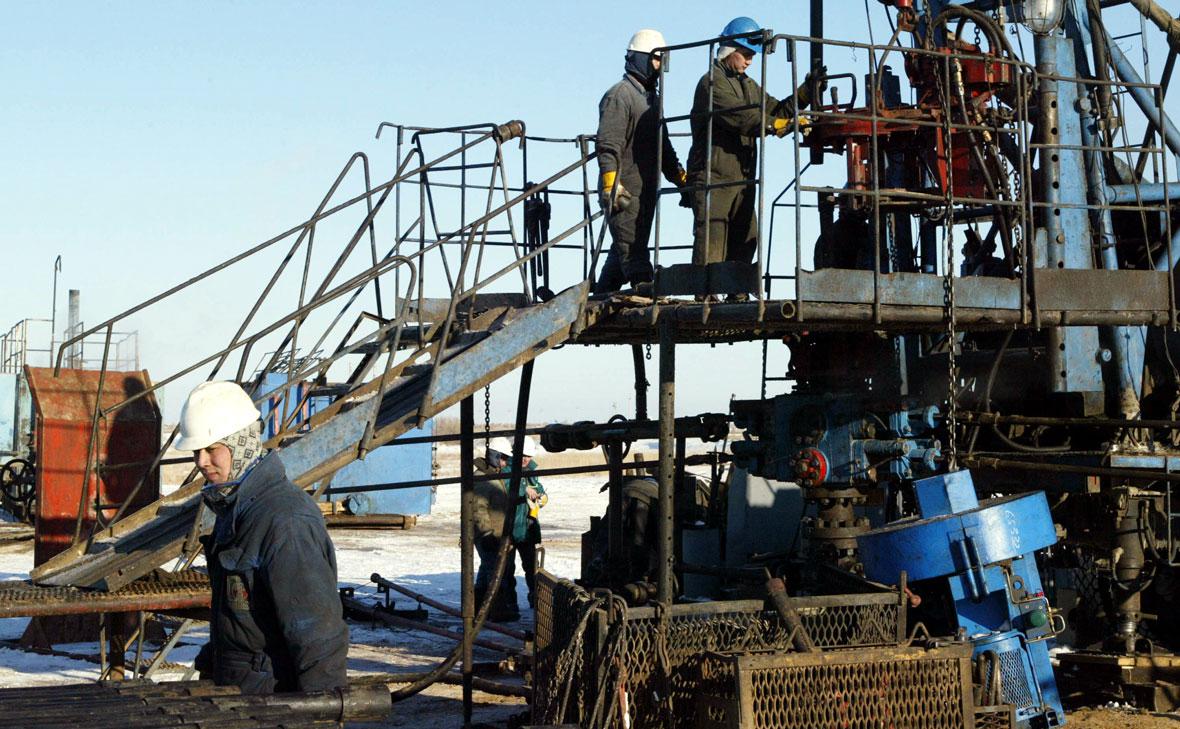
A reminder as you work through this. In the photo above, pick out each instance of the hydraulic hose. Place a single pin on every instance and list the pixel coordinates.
(436, 674)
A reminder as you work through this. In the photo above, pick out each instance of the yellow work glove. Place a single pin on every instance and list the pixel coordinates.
(616, 199)
(782, 127)
(680, 179)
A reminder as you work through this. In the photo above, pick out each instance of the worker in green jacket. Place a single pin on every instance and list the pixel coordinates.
(526, 525)
(492, 504)
(728, 229)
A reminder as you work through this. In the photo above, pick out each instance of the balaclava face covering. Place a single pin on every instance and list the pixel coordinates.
(638, 64)
(245, 446)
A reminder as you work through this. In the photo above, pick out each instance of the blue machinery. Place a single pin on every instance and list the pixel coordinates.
(985, 552)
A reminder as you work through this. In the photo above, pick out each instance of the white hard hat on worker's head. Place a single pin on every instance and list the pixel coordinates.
(213, 411)
(530, 446)
(501, 445)
(646, 41)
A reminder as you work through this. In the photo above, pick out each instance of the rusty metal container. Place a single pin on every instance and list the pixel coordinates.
(124, 447)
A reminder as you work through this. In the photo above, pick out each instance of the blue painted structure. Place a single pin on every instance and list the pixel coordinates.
(387, 464)
(986, 552)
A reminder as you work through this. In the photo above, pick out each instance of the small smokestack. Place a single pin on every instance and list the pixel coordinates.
(73, 326)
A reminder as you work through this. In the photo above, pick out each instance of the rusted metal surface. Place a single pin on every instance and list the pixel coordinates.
(171, 591)
(120, 704)
(121, 453)
(853, 689)
(579, 635)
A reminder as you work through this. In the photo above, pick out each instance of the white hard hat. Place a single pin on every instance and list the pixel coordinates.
(646, 40)
(530, 446)
(501, 445)
(212, 411)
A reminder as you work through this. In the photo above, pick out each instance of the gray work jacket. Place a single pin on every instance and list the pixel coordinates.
(628, 124)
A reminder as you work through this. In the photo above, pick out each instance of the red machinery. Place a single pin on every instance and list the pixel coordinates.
(955, 87)
(124, 447)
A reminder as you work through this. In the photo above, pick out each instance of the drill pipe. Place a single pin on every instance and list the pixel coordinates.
(448, 609)
(351, 603)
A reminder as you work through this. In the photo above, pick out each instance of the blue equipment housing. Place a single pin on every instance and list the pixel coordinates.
(388, 464)
(986, 552)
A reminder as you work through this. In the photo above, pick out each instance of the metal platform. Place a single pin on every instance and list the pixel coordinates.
(160, 592)
(847, 299)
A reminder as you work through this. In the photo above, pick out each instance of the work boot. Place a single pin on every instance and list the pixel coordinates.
(504, 609)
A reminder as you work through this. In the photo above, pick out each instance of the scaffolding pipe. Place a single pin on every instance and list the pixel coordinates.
(664, 590)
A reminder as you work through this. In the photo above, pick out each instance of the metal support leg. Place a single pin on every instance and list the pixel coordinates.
(667, 461)
(616, 558)
(467, 546)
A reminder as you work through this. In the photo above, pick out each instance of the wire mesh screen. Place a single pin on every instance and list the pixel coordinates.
(872, 620)
(593, 658)
(860, 689)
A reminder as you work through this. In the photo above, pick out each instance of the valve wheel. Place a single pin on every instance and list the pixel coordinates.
(18, 480)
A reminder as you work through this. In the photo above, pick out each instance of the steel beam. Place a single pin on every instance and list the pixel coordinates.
(667, 492)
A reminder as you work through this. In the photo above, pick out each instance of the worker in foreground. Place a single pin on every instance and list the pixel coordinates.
(277, 622)
(628, 144)
(726, 229)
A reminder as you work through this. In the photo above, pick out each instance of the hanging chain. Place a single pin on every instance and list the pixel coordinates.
(487, 416)
(948, 299)
(647, 351)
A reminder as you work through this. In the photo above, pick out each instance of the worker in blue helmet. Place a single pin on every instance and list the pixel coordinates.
(728, 229)
(628, 145)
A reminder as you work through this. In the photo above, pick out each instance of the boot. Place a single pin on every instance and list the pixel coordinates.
(504, 609)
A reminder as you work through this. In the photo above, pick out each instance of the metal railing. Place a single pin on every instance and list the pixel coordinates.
(403, 263)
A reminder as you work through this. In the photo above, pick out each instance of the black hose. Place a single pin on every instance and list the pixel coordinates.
(437, 673)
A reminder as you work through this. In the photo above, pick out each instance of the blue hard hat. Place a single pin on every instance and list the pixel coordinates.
(741, 25)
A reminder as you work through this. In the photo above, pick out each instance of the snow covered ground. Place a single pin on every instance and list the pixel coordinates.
(424, 558)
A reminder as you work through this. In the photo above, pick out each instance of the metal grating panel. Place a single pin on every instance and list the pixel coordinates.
(161, 591)
(851, 625)
(1014, 681)
(662, 676)
(861, 689)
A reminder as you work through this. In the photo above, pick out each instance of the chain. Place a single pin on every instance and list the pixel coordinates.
(948, 300)
(647, 351)
(487, 416)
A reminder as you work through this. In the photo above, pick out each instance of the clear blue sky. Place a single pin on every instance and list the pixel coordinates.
(145, 141)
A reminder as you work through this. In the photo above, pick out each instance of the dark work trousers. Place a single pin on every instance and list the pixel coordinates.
(486, 547)
(732, 224)
(528, 560)
(629, 260)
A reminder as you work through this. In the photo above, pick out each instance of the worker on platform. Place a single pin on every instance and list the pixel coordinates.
(277, 621)
(628, 145)
(728, 161)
